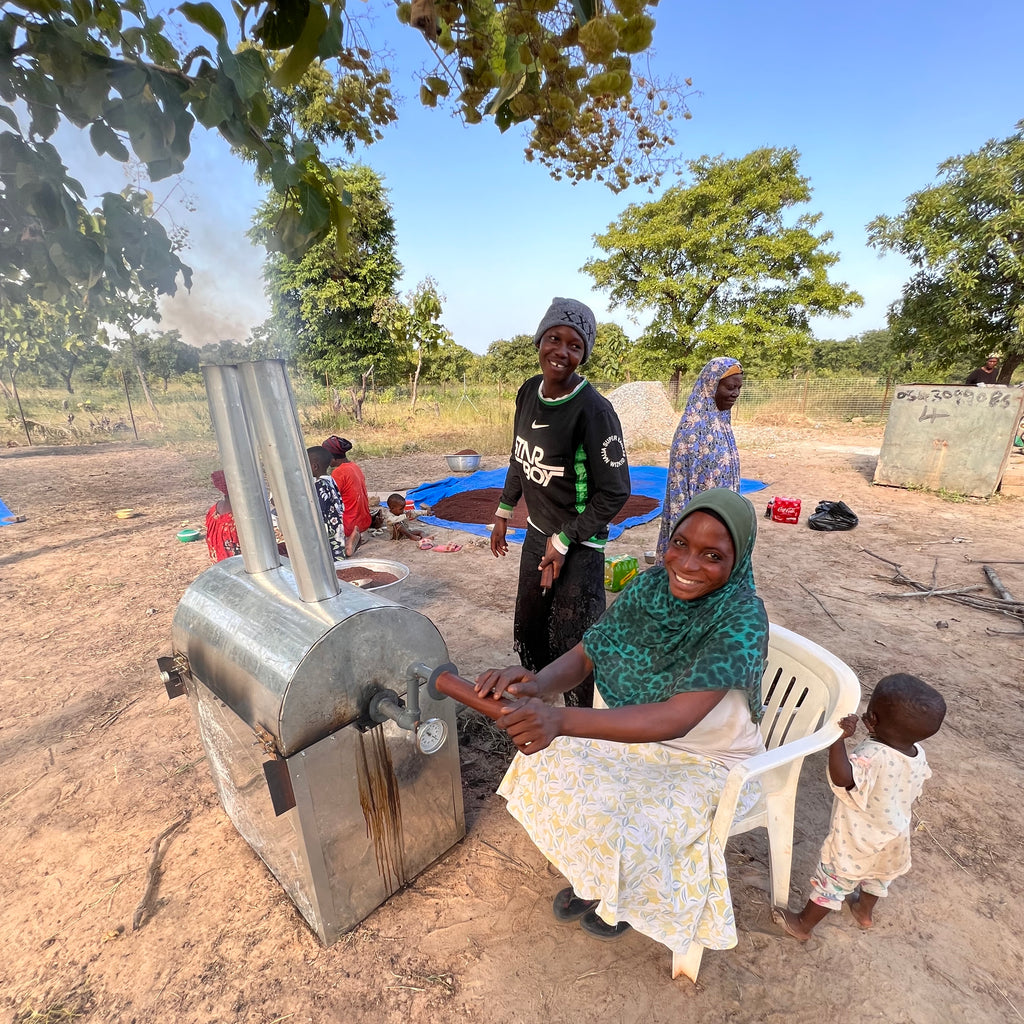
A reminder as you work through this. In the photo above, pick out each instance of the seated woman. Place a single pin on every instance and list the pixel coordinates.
(221, 535)
(352, 486)
(620, 798)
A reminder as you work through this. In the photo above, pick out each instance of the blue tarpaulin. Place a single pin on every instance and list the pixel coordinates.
(6, 515)
(648, 481)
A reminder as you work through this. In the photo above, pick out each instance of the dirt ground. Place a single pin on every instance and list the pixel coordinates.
(97, 763)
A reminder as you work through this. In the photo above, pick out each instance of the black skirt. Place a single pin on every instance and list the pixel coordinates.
(546, 626)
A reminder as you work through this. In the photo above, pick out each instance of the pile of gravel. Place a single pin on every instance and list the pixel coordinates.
(645, 413)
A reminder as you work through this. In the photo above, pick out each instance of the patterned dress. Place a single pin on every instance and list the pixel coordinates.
(629, 824)
(332, 513)
(703, 453)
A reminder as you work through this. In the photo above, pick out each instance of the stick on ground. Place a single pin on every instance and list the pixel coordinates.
(824, 609)
(154, 871)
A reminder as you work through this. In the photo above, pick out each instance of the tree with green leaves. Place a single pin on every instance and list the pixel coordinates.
(965, 238)
(125, 313)
(414, 326)
(512, 361)
(326, 300)
(611, 359)
(118, 70)
(167, 356)
(63, 334)
(21, 337)
(450, 364)
(726, 263)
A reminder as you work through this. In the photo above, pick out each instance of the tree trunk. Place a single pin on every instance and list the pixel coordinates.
(357, 404)
(1010, 363)
(416, 377)
(145, 388)
(72, 363)
(359, 397)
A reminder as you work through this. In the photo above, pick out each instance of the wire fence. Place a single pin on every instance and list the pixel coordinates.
(825, 400)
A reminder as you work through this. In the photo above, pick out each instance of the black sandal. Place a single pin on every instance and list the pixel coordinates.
(568, 907)
(593, 925)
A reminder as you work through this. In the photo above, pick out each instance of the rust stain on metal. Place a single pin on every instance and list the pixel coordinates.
(382, 806)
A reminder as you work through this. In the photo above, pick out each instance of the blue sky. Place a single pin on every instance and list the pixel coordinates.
(873, 95)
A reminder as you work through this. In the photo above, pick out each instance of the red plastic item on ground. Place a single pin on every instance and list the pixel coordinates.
(783, 510)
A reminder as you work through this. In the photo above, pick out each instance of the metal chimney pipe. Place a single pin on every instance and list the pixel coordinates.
(270, 405)
(241, 469)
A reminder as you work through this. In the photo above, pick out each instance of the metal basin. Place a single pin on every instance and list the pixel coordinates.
(463, 463)
(388, 590)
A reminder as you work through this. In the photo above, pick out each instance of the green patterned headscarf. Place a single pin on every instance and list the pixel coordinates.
(650, 645)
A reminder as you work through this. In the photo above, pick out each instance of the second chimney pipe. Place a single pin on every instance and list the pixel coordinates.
(270, 406)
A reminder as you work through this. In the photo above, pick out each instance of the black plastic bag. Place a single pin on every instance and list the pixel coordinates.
(832, 515)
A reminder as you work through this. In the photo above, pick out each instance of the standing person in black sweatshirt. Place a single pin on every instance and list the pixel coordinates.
(569, 464)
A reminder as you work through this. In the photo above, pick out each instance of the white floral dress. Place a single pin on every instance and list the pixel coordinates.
(630, 825)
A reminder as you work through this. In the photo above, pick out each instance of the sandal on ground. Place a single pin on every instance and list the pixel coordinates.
(593, 925)
(426, 544)
(448, 547)
(568, 907)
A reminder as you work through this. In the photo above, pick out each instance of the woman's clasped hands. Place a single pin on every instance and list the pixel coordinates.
(530, 722)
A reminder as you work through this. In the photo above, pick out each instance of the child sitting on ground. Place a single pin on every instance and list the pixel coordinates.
(396, 519)
(868, 844)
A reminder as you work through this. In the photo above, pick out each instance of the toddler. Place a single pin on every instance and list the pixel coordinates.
(397, 520)
(868, 844)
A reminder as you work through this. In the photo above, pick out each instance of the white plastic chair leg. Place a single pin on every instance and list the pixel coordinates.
(688, 961)
(780, 847)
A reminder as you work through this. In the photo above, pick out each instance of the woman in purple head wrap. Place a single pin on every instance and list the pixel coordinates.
(703, 453)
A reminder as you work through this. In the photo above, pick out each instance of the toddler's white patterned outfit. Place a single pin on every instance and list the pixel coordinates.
(868, 843)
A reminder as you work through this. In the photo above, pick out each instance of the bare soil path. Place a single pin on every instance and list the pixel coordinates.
(97, 763)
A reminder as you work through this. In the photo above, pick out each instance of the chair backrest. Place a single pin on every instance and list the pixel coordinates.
(802, 687)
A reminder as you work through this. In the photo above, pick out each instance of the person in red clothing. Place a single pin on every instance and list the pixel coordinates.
(221, 535)
(352, 485)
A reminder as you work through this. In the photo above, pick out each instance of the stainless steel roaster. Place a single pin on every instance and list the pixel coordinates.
(332, 756)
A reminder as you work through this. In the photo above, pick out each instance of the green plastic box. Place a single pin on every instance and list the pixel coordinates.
(618, 571)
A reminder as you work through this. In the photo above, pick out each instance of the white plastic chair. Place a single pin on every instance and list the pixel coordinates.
(806, 690)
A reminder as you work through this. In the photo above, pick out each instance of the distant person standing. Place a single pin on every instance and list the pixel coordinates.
(568, 464)
(703, 453)
(985, 374)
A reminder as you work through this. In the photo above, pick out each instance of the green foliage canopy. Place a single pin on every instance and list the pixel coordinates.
(512, 361)
(966, 237)
(414, 325)
(720, 263)
(115, 69)
(326, 300)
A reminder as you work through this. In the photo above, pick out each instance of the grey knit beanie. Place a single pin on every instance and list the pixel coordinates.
(574, 314)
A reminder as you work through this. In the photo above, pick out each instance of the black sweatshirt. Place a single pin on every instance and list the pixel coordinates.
(569, 462)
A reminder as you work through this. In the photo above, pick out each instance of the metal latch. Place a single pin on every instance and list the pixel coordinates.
(173, 673)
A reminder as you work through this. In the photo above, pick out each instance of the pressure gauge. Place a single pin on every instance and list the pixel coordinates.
(431, 735)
